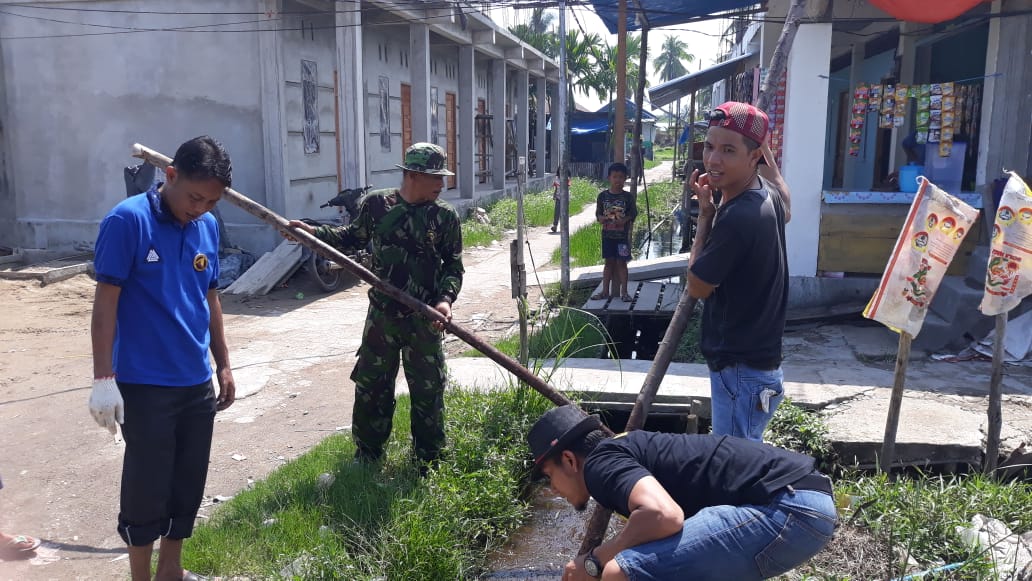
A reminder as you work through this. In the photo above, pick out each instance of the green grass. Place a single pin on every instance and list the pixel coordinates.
(917, 516)
(912, 518)
(387, 524)
(537, 210)
(585, 247)
(569, 333)
(651, 163)
(663, 153)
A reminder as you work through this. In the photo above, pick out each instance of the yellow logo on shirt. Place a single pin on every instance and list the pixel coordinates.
(200, 262)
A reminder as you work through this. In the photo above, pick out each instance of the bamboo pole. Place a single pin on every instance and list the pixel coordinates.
(269, 217)
(888, 451)
(779, 60)
(992, 443)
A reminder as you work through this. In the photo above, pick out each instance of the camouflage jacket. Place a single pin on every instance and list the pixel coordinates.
(417, 248)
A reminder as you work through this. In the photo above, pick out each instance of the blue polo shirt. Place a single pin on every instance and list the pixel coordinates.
(165, 271)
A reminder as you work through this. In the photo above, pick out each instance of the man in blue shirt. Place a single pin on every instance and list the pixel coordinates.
(156, 314)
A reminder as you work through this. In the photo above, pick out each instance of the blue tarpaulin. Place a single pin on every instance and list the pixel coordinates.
(662, 12)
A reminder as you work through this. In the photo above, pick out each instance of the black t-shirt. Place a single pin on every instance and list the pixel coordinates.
(616, 206)
(696, 470)
(746, 259)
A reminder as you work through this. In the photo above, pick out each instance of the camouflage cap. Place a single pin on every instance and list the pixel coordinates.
(426, 158)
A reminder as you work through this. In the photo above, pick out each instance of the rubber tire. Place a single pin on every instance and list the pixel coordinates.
(327, 279)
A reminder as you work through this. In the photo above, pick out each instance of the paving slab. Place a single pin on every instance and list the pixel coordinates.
(930, 432)
(940, 423)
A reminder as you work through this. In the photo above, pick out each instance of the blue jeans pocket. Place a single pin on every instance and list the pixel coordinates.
(794, 545)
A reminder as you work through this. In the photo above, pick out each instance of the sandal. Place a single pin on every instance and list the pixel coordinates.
(626, 298)
(598, 297)
(21, 544)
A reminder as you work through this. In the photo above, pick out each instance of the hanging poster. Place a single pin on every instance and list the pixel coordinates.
(434, 122)
(1008, 277)
(385, 115)
(934, 229)
(310, 98)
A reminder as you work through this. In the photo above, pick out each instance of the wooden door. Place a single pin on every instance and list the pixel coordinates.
(406, 118)
(449, 120)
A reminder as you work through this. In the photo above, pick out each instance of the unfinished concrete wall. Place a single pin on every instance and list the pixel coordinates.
(8, 202)
(385, 50)
(309, 45)
(75, 105)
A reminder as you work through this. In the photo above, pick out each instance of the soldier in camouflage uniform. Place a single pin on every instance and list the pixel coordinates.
(416, 246)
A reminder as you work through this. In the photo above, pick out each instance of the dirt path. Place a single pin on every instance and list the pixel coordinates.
(61, 471)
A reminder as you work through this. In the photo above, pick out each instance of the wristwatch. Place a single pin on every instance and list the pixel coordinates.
(592, 566)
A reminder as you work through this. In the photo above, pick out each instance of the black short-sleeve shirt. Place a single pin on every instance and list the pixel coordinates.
(696, 470)
(745, 257)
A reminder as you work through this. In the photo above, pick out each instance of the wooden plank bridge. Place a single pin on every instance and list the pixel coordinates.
(648, 298)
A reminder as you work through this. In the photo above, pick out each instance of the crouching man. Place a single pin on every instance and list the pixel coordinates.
(701, 507)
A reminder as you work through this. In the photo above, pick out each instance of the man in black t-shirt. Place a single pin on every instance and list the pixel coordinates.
(739, 265)
(700, 507)
(615, 210)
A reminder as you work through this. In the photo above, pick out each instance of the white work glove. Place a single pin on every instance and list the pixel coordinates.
(106, 405)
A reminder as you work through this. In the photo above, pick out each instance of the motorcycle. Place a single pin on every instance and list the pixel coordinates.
(328, 274)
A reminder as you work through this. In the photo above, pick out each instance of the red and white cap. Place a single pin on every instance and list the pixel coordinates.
(741, 118)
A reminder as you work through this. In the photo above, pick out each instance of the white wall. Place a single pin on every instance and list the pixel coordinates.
(805, 132)
(75, 105)
(385, 53)
(312, 176)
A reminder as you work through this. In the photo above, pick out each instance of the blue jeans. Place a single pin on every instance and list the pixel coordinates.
(735, 392)
(721, 543)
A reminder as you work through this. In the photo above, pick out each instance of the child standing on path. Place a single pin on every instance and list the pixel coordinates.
(616, 210)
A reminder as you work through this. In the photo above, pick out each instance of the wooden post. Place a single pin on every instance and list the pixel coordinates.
(302, 236)
(638, 167)
(779, 60)
(888, 451)
(992, 443)
(520, 288)
(619, 112)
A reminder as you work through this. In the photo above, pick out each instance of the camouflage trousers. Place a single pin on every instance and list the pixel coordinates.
(386, 336)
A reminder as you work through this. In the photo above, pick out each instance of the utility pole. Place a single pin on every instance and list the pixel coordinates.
(563, 169)
(619, 111)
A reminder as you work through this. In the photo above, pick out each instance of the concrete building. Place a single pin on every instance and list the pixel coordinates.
(309, 97)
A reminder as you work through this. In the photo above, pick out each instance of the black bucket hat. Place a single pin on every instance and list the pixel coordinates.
(557, 429)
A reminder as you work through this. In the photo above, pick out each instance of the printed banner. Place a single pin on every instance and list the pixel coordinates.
(1008, 278)
(935, 227)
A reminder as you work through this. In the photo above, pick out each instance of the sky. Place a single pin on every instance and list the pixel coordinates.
(702, 38)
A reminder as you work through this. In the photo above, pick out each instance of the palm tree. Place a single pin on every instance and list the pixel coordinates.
(669, 65)
(540, 21)
(672, 57)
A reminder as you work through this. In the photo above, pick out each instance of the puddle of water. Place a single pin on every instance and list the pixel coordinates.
(546, 542)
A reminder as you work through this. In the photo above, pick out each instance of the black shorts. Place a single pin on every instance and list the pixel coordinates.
(167, 434)
(618, 248)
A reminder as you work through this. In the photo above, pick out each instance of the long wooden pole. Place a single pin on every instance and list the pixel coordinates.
(269, 217)
(599, 521)
(888, 450)
(620, 115)
(638, 167)
(992, 443)
(779, 59)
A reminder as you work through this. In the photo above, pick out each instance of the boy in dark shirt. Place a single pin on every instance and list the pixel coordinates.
(701, 507)
(616, 210)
